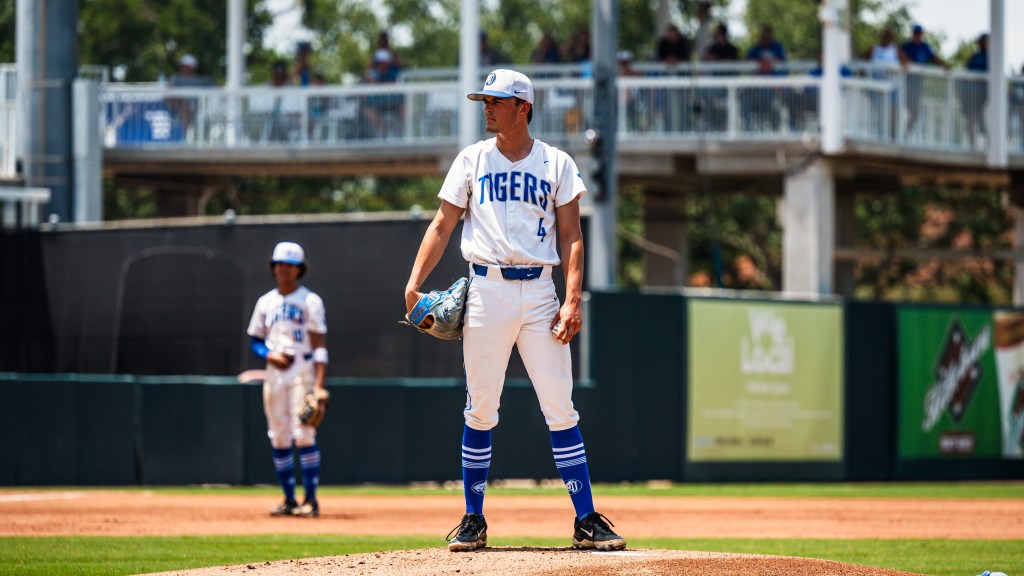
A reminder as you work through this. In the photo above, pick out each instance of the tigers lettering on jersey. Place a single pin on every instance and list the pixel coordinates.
(514, 186)
(287, 311)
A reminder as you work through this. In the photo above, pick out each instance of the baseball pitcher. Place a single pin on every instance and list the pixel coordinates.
(288, 329)
(519, 196)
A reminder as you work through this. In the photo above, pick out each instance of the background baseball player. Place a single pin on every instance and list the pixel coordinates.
(519, 196)
(288, 329)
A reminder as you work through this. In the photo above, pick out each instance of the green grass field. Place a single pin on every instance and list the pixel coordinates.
(134, 555)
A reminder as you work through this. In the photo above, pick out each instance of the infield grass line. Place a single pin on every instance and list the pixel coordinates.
(902, 490)
(118, 556)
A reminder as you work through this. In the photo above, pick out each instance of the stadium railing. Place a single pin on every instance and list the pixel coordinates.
(926, 108)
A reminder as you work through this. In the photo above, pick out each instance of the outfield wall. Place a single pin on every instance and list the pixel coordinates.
(682, 388)
(679, 386)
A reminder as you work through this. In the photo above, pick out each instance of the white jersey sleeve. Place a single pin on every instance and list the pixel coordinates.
(510, 206)
(457, 186)
(570, 184)
(317, 320)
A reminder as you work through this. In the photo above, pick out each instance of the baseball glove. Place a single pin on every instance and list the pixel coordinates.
(439, 313)
(315, 407)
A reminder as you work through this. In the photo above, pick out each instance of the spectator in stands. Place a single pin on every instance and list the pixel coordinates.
(546, 51)
(919, 52)
(187, 76)
(886, 58)
(759, 109)
(721, 49)
(767, 52)
(489, 55)
(283, 107)
(578, 47)
(279, 73)
(384, 43)
(183, 109)
(673, 47)
(634, 108)
(383, 112)
(302, 68)
(973, 92)
(319, 104)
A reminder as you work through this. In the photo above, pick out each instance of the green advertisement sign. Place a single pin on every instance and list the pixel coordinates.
(766, 381)
(948, 384)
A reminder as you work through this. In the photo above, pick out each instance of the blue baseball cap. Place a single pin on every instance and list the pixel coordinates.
(918, 29)
(503, 83)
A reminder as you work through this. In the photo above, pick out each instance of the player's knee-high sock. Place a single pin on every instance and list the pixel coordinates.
(476, 462)
(309, 459)
(284, 464)
(571, 461)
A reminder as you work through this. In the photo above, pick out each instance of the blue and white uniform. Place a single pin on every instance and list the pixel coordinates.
(284, 323)
(510, 223)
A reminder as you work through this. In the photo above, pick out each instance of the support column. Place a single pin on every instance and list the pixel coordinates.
(808, 243)
(667, 259)
(47, 60)
(469, 73)
(602, 253)
(997, 105)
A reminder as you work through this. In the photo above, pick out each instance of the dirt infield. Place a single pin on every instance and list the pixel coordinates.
(112, 513)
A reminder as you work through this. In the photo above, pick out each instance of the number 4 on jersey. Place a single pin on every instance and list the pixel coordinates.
(541, 231)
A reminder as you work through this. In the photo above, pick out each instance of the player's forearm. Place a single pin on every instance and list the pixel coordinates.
(320, 374)
(573, 270)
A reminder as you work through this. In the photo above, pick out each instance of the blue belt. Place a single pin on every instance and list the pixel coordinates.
(528, 273)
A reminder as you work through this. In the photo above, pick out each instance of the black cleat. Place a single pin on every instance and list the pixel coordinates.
(309, 509)
(594, 532)
(472, 534)
(287, 508)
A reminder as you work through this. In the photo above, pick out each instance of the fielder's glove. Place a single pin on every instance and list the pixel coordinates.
(314, 408)
(439, 313)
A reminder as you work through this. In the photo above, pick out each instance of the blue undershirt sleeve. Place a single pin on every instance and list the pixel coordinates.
(259, 347)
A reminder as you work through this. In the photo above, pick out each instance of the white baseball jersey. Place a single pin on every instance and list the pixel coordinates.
(285, 322)
(510, 206)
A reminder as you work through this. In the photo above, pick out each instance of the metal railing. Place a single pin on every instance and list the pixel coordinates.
(920, 106)
(914, 107)
(20, 207)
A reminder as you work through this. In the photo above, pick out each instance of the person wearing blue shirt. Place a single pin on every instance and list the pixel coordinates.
(973, 92)
(767, 47)
(919, 52)
(758, 108)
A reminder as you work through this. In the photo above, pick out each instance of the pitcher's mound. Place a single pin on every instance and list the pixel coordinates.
(527, 561)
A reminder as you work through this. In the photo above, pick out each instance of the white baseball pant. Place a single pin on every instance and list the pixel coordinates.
(500, 313)
(284, 393)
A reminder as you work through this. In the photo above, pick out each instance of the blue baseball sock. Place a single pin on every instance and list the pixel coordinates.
(284, 464)
(309, 459)
(476, 462)
(571, 461)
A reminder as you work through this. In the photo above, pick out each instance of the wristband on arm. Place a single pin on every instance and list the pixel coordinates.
(320, 355)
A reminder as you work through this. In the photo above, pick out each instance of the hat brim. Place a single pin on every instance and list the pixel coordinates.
(478, 96)
(286, 261)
